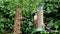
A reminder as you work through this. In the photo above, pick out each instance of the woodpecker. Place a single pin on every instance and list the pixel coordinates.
(35, 19)
(46, 26)
(37, 24)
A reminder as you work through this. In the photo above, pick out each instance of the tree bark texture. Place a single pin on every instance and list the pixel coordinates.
(17, 21)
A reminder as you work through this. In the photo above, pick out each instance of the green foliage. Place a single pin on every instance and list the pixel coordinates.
(7, 14)
(52, 14)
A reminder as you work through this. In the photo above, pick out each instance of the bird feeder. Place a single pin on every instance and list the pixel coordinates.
(39, 18)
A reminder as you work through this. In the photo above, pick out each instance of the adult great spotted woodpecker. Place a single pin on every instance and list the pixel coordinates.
(46, 26)
(35, 20)
(40, 26)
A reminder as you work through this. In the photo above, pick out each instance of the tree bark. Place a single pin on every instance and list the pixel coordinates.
(17, 21)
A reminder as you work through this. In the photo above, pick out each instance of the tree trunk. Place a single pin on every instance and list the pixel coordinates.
(17, 21)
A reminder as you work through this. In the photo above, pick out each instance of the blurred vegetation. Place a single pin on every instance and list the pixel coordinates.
(7, 14)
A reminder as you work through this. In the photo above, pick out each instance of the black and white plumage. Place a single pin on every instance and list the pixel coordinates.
(46, 27)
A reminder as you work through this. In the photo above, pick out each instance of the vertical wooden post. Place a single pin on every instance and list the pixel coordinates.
(40, 17)
(17, 21)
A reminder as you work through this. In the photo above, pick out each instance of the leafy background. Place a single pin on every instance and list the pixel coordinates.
(7, 14)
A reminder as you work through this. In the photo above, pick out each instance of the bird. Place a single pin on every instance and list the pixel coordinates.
(37, 24)
(46, 26)
(35, 19)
